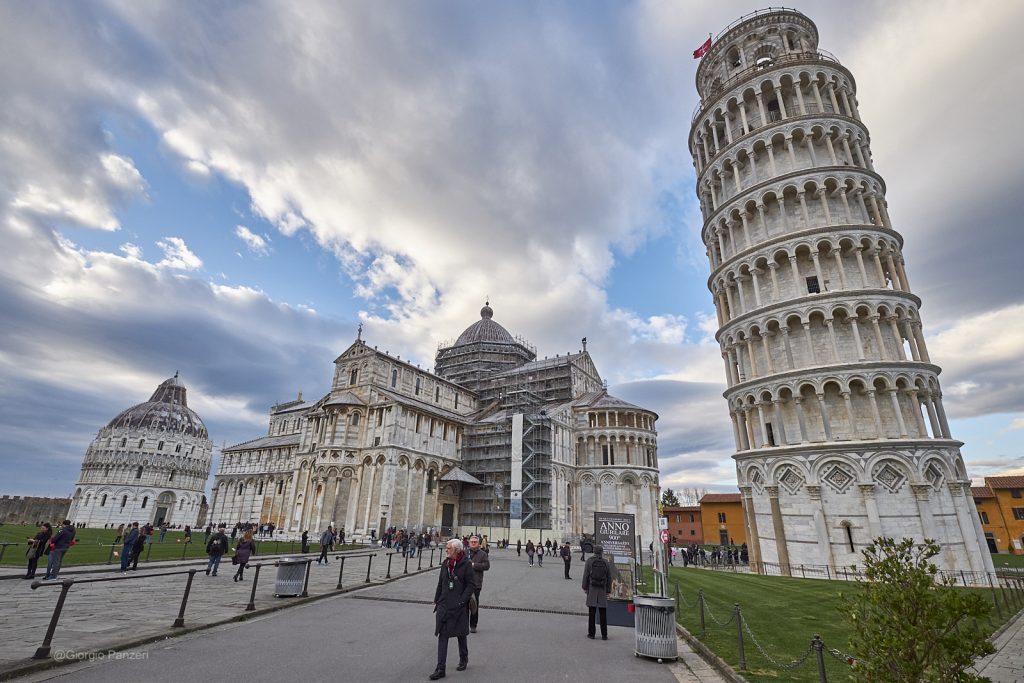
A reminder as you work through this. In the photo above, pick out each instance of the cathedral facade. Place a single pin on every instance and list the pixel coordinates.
(493, 439)
(149, 464)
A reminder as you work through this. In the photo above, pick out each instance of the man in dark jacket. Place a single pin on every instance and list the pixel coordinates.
(481, 562)
(215, 548)
(566, 553)
(59, 545)
(597, 584)
(455, 586)
(129, 546)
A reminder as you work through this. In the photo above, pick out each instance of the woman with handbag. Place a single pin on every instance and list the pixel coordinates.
(37, 546)
(245, 549)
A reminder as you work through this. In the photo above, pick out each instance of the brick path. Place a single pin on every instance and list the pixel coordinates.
(1007, 664)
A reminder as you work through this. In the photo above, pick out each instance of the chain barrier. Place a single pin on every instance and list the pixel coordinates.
(795, 664)
(842, 656)
(707, 610)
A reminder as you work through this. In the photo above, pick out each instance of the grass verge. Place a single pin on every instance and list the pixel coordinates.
(782, 613)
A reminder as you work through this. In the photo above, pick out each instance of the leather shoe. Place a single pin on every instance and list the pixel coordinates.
(589, 635)
(438, 673)
(462, 665)
(604, 637)
(472, 629)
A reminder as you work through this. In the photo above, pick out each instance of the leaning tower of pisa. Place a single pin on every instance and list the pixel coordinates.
(836, 407)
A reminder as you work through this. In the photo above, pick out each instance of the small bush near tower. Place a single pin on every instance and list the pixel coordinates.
(908, 624)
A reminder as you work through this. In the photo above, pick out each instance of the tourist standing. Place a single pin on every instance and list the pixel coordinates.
(137, 547)
(567, 558)
(245, 549)
(120, 534)
(215, 548)
(305, 541)
(455, 586)
(519, 547)
(163, 532)
(530, 550)
(38, 545)
(481, 562)
(597, 582)
(128, 548)
(59, 545)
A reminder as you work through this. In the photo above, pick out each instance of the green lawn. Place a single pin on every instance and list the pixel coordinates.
(1004, 559)
(782, 613)
(93, 546)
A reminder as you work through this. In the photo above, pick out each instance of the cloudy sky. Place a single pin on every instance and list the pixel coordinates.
(228, 189)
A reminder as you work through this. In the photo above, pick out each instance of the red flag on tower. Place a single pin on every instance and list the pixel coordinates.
(703, 49)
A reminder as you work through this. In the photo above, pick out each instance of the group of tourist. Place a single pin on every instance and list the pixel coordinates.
(53, 545)
(719, 556)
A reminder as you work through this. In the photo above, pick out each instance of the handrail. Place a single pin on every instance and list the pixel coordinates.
(43, 652)
(756, 13)
(789, 57)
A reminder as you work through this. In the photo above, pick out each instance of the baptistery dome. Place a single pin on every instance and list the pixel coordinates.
(167, 410)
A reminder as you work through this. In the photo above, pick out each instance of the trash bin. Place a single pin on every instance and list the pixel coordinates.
(656, 627)
(291, 574)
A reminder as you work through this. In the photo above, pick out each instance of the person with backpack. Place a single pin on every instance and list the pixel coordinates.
(597, 583)
(215, 548)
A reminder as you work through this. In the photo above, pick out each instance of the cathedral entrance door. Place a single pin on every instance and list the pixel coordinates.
(161, 515)
(447, 518)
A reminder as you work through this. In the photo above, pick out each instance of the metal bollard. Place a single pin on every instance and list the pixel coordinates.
(43, 652)
(390, 556)
(341, 571)
(828, 574)
(110, 555)
(3, 548)
(819, 653)
(739, 635)
(802, 574)
(184, 549)
(180, 621)
(419, 562)
(700, 601)
(406, 564)
(305, 584)
(252, 596)
(150, 550)
(368, 565)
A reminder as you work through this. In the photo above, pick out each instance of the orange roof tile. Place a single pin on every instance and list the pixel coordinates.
(1016, 482)
(721, 498)
(982, 492)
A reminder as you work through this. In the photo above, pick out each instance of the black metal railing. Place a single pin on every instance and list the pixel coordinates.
(43, 652)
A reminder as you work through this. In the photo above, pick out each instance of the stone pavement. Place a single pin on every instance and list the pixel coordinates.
(98, 616)
(1007, 664)
(532, 628)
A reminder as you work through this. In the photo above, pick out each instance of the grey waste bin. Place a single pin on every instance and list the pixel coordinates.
(291, 574)
(656, 627)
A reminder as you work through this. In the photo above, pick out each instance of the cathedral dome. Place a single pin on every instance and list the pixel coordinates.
(166, 410)
(485, 330)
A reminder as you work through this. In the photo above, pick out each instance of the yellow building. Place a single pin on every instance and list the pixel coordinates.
(1004, 510)
(722, 519)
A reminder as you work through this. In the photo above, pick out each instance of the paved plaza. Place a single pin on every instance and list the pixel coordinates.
(532, 627)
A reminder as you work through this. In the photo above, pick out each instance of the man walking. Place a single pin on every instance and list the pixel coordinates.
(566, 558)
(530, 551)
(481, 562)
(215, 548)
(326, 541)
(597, 581)
(64, 539)
(540, 555)
(519, 548)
